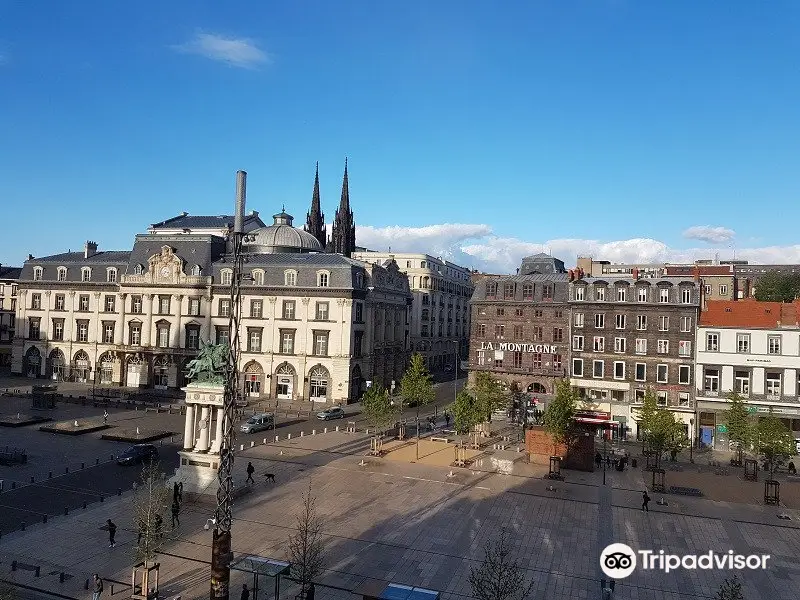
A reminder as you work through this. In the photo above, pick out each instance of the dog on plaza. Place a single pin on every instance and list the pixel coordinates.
(270, 477)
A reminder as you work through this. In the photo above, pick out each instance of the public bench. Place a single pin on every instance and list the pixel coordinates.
(437, 438)
(684, 491)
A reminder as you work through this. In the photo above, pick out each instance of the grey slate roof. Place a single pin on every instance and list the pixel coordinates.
(560, 283)
(187, 221)
(10, 272)
(200, 250)
(74, 261)
(342, 269)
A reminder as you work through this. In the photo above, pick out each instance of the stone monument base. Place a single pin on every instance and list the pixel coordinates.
(198, 472)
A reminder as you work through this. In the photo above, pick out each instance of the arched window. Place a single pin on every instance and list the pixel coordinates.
(258, 277)
(62, 273)
(37, 273)
(196, 271)
(86, 274)
(359, 280)
(225, 276)
(323, 278)
(111, 275)
(290, 278)
(138, 269)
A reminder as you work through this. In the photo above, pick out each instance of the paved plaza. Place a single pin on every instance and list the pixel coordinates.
(414, 524)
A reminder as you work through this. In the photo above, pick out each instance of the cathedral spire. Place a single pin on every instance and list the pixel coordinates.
(343, 232)
(315, 218)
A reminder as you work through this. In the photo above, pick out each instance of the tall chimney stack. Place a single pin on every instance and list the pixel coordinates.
(241, 194)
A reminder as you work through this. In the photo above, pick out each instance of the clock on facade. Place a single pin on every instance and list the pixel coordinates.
(166, 272)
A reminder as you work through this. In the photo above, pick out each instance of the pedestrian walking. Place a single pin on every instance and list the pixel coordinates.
(97, 588)
(105, 417)
(645, 501)
(250, 470)
(245, 592)
(112, 531)
(447, 419)
(176, 509)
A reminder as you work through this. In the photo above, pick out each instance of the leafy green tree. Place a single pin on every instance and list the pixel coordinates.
(666, 433)
(466, 413)
(499, 576)
(560, 412)
(775, 286)
(731, 589)
(739, 423)
(377, 407)
(416, 386)
(646, 415)
(773, 441)
(489, 394)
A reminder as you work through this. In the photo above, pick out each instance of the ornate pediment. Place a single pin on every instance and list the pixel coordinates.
(166, 266)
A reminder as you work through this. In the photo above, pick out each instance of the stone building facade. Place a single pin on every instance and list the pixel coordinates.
(313, 325)
(520, 330)
(440, 313)
(8, 311)
(630, 333)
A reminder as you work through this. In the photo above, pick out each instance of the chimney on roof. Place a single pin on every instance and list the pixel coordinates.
(253, 213)
(517, 270)
(635, 273)
(571, 274)
(89, 249)
(697, 274)
(184, 214)
(30, 256)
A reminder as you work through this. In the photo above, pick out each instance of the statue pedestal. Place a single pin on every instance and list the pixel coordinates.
(199, 459)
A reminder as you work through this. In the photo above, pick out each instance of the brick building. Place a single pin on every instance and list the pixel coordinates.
(520, 329)
(630, 333)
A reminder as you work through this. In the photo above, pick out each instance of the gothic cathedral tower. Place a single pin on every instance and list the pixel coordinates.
(343, 232)
(315, 219)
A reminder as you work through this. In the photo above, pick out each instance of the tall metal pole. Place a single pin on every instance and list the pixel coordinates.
(221, 541)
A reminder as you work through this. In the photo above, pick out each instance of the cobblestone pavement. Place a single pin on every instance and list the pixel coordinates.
(412, 524)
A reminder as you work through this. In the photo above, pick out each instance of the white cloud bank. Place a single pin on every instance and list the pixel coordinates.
(476, 246)
(236, 52)
(710, 234)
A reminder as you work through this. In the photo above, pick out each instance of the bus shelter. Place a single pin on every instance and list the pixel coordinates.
(262, 568)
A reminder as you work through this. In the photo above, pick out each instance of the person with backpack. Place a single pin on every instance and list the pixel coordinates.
(97, 587)
(112, 531)
(645, 501)
(250, 470)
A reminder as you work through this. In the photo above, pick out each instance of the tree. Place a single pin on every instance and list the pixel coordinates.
(665, 433)
(151, 501)
(731, 589)
(773, 441)
(775, 286)
(499, 577)
(306, 548)
(416, 387)
(489, 395)
(739, 423)
(647, 414)
(560, 413)
(466, 413)
(377, 407)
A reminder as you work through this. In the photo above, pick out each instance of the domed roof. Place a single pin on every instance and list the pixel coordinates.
(281, 237)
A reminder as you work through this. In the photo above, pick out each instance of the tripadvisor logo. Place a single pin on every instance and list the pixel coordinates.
(620, 560)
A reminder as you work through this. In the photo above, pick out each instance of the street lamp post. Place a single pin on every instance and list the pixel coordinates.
(691, 440)
(605, 457)
(221, 540)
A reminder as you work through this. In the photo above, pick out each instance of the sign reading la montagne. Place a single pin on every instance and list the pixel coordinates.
(517, 347)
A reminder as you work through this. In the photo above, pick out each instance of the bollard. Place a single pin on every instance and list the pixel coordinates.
(302, 433)
(86, 584)
(313, 432)
(13, 485)
(337, 428)
(84, 505)
(23, 526)
(288, 436)
(83, 465)
(66, 470)
(102, 499)
(252, 443)
(325, 430)
(50, 475)
(112, 457)
(265, 441)
(61, 577)
(119, 491)
(276, 438)
(44, 519)
(31, 478)
(97, 461)
(241, 447)
(66, 510)
(13, 565)
(36, 571)
(112, 589)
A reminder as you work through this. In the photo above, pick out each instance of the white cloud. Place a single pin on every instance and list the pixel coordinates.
(707, 233)
(475, 246)
(237, 52)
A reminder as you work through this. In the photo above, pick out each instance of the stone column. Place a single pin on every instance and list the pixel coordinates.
(175, 341)
(47, 326)
(98, 325)
(219, 417)
(119, 328)
(202, 443)
(206, 331)
(147, 326)
(188, 430)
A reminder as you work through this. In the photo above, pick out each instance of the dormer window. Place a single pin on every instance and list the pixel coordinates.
(62, 274)
(86, 274)
(323, 278)
(258, 277)
(226, 276)
(290, 278)
(196, 271)
(138, 269)
(360, 280)
(37, 273)
(111, 275)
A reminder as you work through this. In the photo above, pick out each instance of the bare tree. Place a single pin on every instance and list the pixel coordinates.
(7, 591)
(499, 577)
(731, 589)
(306, 548)
(151, 501)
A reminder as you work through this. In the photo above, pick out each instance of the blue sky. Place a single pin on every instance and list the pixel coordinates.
(475, 130)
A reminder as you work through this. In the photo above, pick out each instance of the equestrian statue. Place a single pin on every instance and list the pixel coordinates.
(209, 366)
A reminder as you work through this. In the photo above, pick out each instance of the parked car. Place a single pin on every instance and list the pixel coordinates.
(138, 455)
(258, 423)
(336, 412)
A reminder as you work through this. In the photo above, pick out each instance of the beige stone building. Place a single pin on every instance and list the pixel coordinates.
(8, 310)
